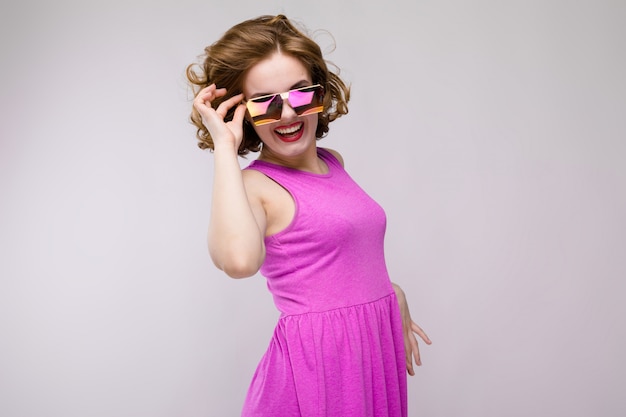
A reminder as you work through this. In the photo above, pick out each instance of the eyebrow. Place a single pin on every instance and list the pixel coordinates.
(299, 84)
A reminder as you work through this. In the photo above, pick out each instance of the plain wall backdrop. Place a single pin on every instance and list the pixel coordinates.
(493, 133)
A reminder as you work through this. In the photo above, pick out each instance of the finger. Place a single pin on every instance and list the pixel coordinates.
(418, 330)
(416, 351)
(202, 103)
(216, 116)
(408, 351)
(409, 359)
(205, 96)
(409, 367)
(212, 89)
(240, 113)
(211, 93)
(226, 105)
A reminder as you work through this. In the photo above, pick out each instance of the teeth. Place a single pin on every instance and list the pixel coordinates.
(289, 130)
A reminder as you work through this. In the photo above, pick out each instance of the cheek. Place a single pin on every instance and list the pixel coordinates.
(264, 132)
(311, 122)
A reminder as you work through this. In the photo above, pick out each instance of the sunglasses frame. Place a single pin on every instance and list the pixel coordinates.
(316, 89)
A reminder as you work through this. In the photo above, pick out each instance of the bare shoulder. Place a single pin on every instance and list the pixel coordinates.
(255, 182)
(272, 204)
(336, 155)
(259, 186)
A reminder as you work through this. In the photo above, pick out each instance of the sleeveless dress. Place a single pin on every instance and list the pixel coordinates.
(338, 349)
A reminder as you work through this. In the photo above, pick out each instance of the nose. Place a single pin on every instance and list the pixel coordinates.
(287, 111)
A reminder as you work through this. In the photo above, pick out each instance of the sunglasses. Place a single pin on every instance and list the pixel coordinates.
(269, 109)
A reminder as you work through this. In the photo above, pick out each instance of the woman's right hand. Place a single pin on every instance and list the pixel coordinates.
(222, 133)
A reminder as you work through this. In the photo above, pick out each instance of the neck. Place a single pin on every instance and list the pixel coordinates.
(308, 162)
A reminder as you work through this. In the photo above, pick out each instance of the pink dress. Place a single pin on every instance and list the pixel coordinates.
(337, 350)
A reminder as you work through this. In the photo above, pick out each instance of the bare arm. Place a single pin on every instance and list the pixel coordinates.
(236, 226)
(235, 235)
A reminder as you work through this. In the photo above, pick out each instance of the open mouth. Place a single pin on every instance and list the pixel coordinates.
(290, 133)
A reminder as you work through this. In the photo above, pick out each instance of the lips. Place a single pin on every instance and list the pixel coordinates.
(290, 133)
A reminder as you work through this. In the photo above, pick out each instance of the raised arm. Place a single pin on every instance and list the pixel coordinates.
(237, 223)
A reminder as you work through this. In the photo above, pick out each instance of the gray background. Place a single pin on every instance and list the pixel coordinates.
(493, 133)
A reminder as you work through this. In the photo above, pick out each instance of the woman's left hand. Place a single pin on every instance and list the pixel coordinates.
(410, 329)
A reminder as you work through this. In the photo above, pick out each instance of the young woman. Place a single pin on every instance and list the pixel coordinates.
(345, 338)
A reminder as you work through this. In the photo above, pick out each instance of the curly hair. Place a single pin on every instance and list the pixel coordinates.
(226, 62)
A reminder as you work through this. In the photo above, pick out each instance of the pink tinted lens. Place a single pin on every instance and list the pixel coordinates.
(307, 100)
(300, 98)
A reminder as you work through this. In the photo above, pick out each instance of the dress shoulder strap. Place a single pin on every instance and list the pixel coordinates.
(329, 158)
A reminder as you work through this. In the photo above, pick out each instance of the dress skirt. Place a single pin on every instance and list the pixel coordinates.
(345, 362)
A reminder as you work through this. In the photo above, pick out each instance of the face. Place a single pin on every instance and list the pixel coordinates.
(292, 135)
